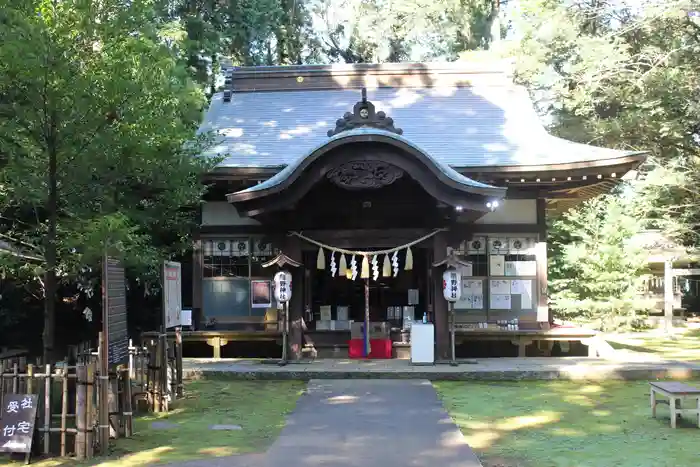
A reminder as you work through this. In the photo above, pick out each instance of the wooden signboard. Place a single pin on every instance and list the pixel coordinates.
(172, 294)
(114, 324)
(17, 423)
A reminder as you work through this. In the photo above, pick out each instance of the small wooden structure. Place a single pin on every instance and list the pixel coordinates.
(668, 263)
(677, 393)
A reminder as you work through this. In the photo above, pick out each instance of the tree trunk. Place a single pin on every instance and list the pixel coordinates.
(495, 20)
(50, 254)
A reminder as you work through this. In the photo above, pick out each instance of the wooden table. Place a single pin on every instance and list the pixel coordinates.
(676, 394)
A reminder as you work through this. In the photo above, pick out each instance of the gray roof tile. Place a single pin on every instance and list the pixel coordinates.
(444, 168)
(461, 127)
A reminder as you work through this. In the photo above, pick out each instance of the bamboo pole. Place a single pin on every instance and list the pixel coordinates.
(64, 410)
(178, 362)
(2, 383)
(30, 379)
(155, 372)
(47, 409)
(113, 407)
(15, 378)
(131, 358)
(127, 409)
(103, 391)
(81, 419)
(164, 372)
(90, 410)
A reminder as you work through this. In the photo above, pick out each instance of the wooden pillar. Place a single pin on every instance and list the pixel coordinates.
(541, 258)
(197, 267)
(292, 248)
(668, 295)
(440, 312)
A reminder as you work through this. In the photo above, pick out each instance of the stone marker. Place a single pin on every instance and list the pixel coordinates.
(225, 427)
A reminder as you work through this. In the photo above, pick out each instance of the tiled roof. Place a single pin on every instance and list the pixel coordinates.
(448, 171)
(462, 127)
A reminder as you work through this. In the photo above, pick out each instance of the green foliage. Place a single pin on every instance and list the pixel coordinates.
(614, 76)
(394, 31)
(94, 87)
(595, 268)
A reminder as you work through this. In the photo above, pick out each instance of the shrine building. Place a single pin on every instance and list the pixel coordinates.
(371, 175)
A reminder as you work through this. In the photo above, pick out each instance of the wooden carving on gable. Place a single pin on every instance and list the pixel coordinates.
(364, 115)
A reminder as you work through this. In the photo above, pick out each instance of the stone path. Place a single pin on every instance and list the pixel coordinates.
(622, 367)
(361, 423)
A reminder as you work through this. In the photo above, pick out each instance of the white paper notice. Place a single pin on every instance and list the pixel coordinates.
(521, 286)
(413, 296)
(510, 268)
(472, 295)
(472, 286)
(500, 302)
(497, 265)
(467, 270)
(525, 268)
(464, 302)
(325, 312)
(186, 318)
(501, 287)
(342, 312)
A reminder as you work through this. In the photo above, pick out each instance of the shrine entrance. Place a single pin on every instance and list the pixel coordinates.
(335, 302)
(366, 213)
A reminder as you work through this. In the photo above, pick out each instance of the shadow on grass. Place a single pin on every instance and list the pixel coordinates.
(258, 407)
(682, 347)
(568, 424)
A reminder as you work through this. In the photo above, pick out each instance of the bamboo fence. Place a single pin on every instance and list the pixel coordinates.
(82, 409)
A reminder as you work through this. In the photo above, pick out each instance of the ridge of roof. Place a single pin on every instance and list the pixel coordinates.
(473, 66)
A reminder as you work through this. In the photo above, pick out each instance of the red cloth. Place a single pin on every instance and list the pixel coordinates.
(379, 348)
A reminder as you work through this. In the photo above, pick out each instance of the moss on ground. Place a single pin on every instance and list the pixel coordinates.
(259, 407)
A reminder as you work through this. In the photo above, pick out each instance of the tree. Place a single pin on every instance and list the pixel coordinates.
(612, 75)
(97, 123)
(595, 266)
(357, 31)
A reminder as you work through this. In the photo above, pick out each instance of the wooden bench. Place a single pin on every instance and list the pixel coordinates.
(676, 394)
(524, 337)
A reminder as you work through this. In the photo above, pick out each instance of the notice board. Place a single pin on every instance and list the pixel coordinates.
(172, 294)
(17, 423)
(114, 323)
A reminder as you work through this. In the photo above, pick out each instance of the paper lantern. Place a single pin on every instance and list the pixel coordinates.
(283, 286)
(452, 285)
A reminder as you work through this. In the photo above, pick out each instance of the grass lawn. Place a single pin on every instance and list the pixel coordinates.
(568, 424)
(684, 346)
(259, 407)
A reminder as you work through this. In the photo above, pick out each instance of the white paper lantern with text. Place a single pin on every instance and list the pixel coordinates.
(283, 286)
(452, 285)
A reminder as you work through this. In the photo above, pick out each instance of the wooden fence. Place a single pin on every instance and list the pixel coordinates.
(81, 409)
